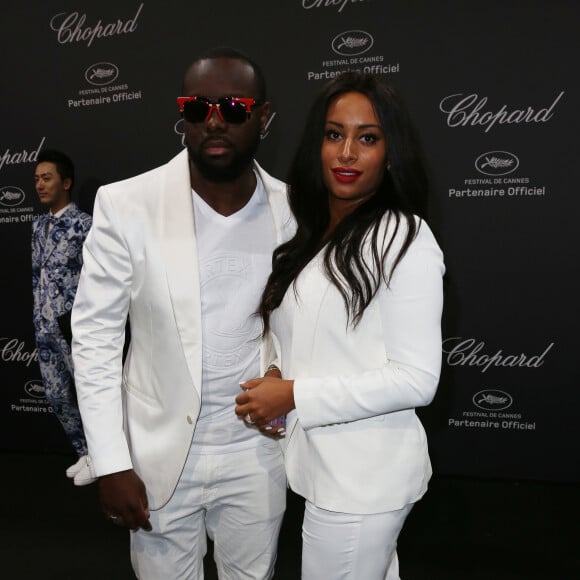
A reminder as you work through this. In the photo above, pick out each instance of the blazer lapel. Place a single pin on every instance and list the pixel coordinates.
(50, 226)
(47, 235)
(278, 199)
(180, 256)
(312, 287)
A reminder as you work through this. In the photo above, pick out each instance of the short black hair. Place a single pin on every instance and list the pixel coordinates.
(63, 163)
(235, 54)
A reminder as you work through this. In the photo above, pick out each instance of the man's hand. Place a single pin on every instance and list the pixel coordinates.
(124, 500)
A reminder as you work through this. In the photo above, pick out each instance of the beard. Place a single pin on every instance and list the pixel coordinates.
(218, 172)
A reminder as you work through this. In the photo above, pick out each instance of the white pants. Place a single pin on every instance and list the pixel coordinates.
(237, 499)
(338, 546)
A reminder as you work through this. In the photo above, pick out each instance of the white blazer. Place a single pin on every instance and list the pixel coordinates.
(354, 443)
(140, 259)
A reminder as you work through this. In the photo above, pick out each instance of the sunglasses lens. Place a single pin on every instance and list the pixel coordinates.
(233, 111)
(195, 111)
(230, 110)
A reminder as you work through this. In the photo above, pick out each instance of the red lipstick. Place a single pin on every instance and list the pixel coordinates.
(344, 175)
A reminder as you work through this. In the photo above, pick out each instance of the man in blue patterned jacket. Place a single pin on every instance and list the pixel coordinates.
(57, 241)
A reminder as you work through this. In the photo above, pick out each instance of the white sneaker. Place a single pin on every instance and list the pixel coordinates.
(86, 475)
(75, 468)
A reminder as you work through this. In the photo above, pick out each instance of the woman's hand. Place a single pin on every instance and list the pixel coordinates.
(264, 400)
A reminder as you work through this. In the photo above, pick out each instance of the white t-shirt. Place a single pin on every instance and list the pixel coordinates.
(235, 260)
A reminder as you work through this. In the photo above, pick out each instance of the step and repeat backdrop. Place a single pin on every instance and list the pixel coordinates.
(494, 92)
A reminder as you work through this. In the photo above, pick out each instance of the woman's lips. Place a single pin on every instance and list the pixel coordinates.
(344, 175)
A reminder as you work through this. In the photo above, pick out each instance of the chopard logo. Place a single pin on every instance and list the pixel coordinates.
(12, 350)
(497, 163)
(338, 4)
(492, 400)
(467, 110)
(70, 27)
(352, 42)
(467, 352)
(34, 389)
(11, 196)
(101, 73)
(19, 157)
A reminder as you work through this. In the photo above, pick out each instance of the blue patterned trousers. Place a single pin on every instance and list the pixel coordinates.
(55, 361)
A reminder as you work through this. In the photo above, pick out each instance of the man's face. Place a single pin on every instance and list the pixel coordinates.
(222, 151)
(52, 190)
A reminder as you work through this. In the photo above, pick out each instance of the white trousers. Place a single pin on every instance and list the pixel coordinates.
(237, 499)
(339, 546)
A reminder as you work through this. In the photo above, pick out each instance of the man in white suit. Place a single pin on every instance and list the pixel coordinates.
(184, 251)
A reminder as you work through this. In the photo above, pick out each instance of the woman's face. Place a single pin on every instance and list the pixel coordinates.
(354, 151)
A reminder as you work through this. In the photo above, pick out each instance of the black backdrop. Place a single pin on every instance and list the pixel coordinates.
(493, 88)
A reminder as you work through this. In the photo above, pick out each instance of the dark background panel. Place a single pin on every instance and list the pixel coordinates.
(512, 260)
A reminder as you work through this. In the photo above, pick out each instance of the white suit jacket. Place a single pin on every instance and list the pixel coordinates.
(354, 443)
(140, 259)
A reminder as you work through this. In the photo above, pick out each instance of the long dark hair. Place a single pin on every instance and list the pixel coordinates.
(401, 195)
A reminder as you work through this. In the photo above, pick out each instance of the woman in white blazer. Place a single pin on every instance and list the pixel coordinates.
(353, 306)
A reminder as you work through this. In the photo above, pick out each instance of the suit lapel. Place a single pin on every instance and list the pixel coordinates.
(180, 256)
(47, 234)
(277, 197)
(312, 288)
(39, 239)
(51, 239)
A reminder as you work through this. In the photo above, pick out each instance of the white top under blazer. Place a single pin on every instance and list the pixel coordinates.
(354, 443)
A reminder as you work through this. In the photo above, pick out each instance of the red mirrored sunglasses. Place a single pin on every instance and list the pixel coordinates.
(229, 109)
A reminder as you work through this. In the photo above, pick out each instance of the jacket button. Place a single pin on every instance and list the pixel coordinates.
(189, 419)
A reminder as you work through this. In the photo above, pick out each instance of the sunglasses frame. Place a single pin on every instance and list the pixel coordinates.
(248, 102)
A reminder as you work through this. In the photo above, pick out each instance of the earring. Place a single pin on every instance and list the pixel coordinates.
(388, 165)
